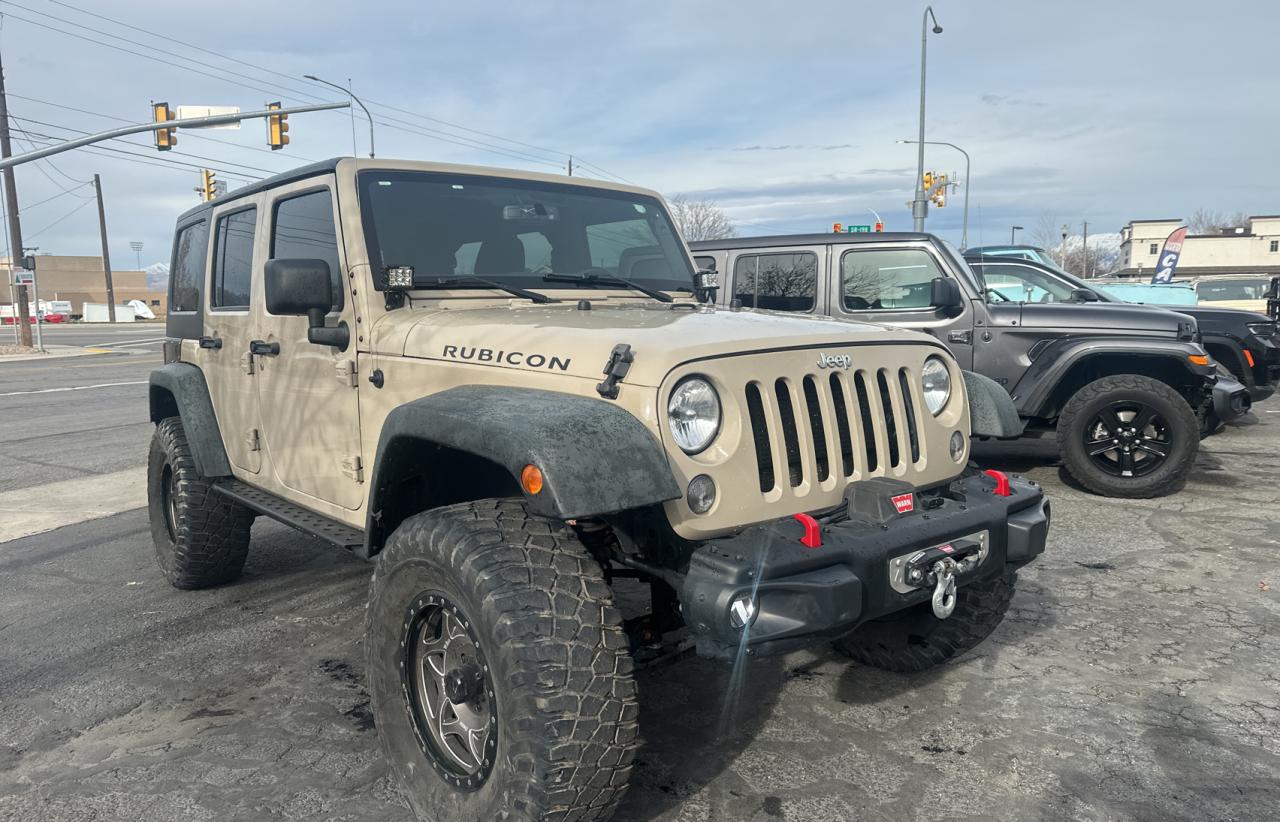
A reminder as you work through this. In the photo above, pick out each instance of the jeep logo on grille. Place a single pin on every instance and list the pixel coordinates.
(841, 361)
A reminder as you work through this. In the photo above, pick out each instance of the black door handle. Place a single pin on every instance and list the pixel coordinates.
(211, 342)
(266, 349)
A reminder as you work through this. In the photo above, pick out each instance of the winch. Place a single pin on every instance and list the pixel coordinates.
(938, 567)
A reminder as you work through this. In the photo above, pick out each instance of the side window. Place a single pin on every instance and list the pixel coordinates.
(190, 248)
(778, 282)
(233, 259)
(302, 228)
(879, 279)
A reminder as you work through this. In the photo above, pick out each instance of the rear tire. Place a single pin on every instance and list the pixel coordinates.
(1174, 420)
(201, 538)
(915, 640)
(488, 594)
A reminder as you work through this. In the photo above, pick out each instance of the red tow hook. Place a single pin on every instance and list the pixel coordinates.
(812, 533)
(1002, 482)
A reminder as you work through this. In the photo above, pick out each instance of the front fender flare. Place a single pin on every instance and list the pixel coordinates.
(595, 457)
(991, 409)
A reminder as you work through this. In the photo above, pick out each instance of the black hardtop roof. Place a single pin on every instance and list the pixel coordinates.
(830, 238)
(291, 176)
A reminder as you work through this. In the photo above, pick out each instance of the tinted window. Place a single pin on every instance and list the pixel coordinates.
(517, 231)
(303, 229)
(187, 277)
(878, 279)
(233, 259)
(778, 282)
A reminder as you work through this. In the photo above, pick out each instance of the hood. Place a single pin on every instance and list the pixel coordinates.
(1104, 318)
(564, 339)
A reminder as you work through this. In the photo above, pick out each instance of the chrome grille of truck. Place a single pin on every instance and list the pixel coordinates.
(857, 424)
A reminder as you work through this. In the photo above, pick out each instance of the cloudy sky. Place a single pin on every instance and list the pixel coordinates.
(785, 113)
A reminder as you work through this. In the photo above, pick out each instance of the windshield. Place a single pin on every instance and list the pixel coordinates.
(1210, 291)
(516, 231)
(1012, 282)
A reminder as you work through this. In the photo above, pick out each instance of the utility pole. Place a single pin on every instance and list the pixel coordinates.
(920, 205)
(1062, 255)
(1084, 244)
(570, 165)
(106, 256)
(23, 316)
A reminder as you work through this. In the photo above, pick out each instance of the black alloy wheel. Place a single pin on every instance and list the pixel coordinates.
(1128, 438)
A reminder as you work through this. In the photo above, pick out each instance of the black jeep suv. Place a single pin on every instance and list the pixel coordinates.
(1122, 385)
(1246, 343)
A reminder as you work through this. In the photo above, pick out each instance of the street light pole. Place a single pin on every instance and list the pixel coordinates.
(359, 102)
(920, 206)
(1013, 234)
(964, 231)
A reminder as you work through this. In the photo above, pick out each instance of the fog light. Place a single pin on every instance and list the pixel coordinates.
(957, 446)
(701, 494)
(742, 611)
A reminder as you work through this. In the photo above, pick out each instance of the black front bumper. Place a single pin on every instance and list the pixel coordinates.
(805, 595)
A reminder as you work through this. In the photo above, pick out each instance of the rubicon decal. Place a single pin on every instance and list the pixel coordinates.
(498, 357)
(904, 503)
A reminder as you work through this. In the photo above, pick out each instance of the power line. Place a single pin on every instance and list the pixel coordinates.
(130, 156)
(460, 140)
(54, 197)
(33, 235)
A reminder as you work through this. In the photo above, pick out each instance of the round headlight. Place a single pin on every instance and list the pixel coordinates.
(935, 384)
(693, 412)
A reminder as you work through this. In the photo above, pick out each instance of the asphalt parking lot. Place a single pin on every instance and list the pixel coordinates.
(1137, 676)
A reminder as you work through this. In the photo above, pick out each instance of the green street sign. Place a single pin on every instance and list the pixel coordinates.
(858, 229)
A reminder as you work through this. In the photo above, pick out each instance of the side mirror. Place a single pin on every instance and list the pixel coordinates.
(944, 293)
(301, 288)
(1083, 295)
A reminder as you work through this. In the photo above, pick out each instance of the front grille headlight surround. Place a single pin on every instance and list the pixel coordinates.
(1264, 330)
(694, 414)
(935, 384)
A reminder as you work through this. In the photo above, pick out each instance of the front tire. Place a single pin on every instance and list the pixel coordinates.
(498, 671)
(1128, 436)
(915, 640)
(201, 538)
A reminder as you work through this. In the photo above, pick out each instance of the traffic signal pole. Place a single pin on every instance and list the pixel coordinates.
(22, 316)
(190, 122)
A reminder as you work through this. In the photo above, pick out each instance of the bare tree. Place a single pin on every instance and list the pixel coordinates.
(701, 220)
(1207, 221)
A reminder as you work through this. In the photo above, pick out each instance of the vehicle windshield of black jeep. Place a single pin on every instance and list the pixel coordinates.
(1215, 292)
(1011, 282)
(518, 232)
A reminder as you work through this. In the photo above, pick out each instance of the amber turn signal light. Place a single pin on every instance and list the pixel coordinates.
(531, 479)
(1198, 359)
(1248, 355)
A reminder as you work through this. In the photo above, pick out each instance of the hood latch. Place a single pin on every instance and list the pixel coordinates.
(615, 369)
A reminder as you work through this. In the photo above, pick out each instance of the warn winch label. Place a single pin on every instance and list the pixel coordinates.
(516, 358)
(904, 503)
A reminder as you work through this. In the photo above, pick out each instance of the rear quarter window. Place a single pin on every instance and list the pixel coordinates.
(186, 279)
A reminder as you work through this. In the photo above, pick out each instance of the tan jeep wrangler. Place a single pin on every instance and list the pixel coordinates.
(510, 389)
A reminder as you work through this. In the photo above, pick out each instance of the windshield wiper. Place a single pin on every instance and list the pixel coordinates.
(601, 276)
(445, 282)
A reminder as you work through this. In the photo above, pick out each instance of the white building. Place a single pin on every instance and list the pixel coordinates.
(1255, 250)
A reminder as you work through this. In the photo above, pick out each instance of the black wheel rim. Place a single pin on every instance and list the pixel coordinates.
(169, 499)
(1128, 438)
(448, 690)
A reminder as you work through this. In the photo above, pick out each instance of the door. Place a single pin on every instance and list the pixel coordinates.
(224, 355)
(310, 413)
(777, 279)
(893, 285)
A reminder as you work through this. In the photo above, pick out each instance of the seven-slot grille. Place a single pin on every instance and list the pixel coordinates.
(852, 424)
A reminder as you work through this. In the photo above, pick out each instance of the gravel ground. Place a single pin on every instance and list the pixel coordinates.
(1136, 677)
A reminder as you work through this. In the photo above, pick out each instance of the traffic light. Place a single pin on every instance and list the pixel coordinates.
(208, 185)
(928, 181)
(879, 226)
(838, 228)
(277, 128)
(166, 138)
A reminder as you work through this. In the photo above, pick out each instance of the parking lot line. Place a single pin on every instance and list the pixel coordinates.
(72, 388)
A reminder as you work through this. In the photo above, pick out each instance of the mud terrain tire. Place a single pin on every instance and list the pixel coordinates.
(915, 640)
(559, 698)
(201, 538)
